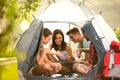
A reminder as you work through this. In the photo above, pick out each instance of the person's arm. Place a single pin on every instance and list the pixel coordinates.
(48, 61)
(69, 58)
(41, 56)
(56, 66)
(51, 50)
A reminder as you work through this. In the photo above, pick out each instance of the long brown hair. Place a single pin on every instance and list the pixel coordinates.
(54, 45)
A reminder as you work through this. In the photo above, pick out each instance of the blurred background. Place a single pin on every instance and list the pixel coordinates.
(16, 16)
(110, 11)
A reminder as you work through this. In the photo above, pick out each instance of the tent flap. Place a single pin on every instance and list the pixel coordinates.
(28, 45)
(89, 29)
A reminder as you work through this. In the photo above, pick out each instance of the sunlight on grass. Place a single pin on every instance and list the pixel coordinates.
(8, 69)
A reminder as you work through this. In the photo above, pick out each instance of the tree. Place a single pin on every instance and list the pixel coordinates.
(117, 31)
(12, 12)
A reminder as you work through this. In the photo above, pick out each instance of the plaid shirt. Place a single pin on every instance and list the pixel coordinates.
(93, 55)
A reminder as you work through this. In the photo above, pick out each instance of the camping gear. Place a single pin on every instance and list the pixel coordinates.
(70, 14)
(27, 47)
(112, 68)
(115, 72)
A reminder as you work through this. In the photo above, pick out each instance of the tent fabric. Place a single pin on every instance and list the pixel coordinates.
(104, 31)
(70, 12)
(89, 29)
(31, 77)
(64, 11)
(27, 47)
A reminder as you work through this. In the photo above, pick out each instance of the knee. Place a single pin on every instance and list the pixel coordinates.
(47, 67)
(75, 66)
(58, 66)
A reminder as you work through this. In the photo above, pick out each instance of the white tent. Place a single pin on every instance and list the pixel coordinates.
(66, 11)
(63, 14)
(104, 31)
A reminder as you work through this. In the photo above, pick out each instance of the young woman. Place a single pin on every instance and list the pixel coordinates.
(62, 50)
(44, 65)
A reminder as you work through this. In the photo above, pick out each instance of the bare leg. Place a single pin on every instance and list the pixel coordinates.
(80, 68)
(42, 69)
(51, 58)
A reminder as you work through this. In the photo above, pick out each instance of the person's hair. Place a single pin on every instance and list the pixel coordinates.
(73, 31)
(46, 32)
(54, 45)
(82, 30)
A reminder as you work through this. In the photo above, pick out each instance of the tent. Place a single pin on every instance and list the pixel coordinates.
(70, 14)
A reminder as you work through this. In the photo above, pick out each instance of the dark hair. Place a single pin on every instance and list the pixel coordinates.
(82, 30)
(73, 31)
(54, 45)
(46, 32)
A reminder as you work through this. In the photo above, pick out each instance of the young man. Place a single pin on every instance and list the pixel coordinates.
(86, 67)
(44, 65)
(76, 37)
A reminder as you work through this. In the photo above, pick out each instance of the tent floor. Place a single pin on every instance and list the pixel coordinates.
(73, 76)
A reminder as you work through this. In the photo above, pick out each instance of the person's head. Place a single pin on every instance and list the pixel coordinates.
(85, 35)
(74, 34)
(58, 39)
(47, 35)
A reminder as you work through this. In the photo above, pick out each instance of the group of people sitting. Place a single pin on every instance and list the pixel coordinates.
(58, 57)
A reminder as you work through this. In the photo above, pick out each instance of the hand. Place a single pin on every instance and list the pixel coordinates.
(59, 54)
(77, 52)
(58, 67)
(76, 58)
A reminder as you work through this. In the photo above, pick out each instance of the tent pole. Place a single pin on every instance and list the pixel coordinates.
(61, 22)
(83, 1)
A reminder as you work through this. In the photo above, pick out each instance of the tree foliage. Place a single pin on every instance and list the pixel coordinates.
(11, 13)
(118, 33)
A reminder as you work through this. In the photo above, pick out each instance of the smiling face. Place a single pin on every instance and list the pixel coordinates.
(58, 39)
(74, 37)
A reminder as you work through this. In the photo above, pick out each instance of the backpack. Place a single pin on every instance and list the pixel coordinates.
(112, 58)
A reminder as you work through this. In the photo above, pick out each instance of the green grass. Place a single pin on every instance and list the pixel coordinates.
(8, 69)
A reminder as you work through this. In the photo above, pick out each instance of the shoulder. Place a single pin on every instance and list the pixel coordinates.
(85, 41)
(68, 46)
(50, 46)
